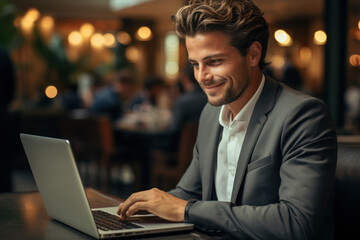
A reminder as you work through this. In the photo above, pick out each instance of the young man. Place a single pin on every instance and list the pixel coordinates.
(265, 156)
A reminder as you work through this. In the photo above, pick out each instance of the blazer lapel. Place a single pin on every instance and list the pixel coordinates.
(263, 106)
(213, 139)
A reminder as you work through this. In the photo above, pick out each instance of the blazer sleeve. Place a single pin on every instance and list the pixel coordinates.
(307, 168)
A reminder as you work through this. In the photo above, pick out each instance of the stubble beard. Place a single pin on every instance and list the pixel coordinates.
(231, 94)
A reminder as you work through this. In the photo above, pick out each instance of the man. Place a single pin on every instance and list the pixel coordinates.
(265, 156)
(111, 99)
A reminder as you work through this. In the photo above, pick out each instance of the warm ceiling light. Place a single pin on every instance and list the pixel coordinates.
(51, 91)
(132, 53)
(26, 24)
(87, 29)
(75, 38)
(47, 23)
(144, 34)
(123, 38)
(355, 60)
(109, 40)
(320, 37)
(97, 40)
(283, 38)
(32, 14)
(359, 24)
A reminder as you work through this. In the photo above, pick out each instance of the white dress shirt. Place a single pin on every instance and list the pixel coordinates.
(230, 145)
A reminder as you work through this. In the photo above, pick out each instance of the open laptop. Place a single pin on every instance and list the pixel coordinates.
(57, 178)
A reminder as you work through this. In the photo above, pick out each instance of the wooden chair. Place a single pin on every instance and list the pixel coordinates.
(92, 141)
(168, 168)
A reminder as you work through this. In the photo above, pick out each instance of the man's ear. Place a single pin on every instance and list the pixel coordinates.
(255, 53)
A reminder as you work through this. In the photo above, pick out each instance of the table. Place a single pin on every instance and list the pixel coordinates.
(23, 216)
(136, 143)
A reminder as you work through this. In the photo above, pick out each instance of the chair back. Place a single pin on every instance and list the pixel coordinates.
(92, 135)
(186, 144)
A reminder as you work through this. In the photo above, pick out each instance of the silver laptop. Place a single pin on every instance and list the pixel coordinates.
(57, 178)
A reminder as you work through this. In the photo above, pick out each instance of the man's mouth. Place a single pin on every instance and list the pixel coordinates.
(212, 87)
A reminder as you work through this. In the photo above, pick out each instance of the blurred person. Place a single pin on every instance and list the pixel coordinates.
(88, 84)
(154, 86)
(265, 157)
(111, 100)
(188, 105)
(71, 99)
(7, 128)
(291, 75)
(176, 88)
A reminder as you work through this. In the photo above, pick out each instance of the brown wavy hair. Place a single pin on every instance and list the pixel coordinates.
(241, 20)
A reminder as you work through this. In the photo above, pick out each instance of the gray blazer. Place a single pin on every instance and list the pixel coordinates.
(284, 179)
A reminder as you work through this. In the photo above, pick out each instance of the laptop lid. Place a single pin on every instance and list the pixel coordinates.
(54, 169)
(56, 175)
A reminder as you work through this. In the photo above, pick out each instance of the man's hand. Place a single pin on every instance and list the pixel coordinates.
(155, 201)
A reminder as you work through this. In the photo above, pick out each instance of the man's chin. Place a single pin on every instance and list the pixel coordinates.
(215, 102)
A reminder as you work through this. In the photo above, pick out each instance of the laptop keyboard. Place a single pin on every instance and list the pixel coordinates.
(106, 222)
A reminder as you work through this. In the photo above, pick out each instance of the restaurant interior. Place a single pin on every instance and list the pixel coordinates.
(62, 53)
(60, 59)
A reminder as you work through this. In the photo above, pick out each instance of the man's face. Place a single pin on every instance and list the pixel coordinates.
(220, 69)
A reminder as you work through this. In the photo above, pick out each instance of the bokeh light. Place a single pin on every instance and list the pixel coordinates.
(320, 37)
(27, 22)
(278, 61)
(32, 15)
(355, 60)
(144, 33)
(283, 38)
(132, 53)
(87, 29)
(51, 91)
(97, 40)
(109, 40)
(75, 38)
(47, 23)
(26, 25)
(123, 38)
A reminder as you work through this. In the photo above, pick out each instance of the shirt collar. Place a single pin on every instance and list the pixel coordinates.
(225, 117)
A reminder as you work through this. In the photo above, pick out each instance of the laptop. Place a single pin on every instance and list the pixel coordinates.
(58, 180)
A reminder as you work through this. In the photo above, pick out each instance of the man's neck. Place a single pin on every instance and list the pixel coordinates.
(239, 103)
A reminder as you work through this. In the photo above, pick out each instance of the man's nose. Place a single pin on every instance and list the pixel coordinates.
(203, 74)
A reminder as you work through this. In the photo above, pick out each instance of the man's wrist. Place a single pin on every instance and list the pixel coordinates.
(187, 207)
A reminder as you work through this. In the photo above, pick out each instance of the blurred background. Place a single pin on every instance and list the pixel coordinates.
(110, 76)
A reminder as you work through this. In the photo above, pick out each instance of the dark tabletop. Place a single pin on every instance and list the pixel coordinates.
(23, 216)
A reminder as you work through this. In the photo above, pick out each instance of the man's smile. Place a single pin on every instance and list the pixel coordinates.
(213, 87)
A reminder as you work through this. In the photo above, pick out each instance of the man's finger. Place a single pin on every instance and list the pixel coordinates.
(133, 199)
(119, 208)
(136, 207)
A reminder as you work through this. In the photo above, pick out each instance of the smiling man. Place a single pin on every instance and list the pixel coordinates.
(265, 156)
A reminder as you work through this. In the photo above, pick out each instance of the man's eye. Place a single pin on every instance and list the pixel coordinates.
(194, 65)
(215, 62)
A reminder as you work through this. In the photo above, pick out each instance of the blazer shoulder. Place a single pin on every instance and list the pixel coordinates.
(292, 98)
(209, 117)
